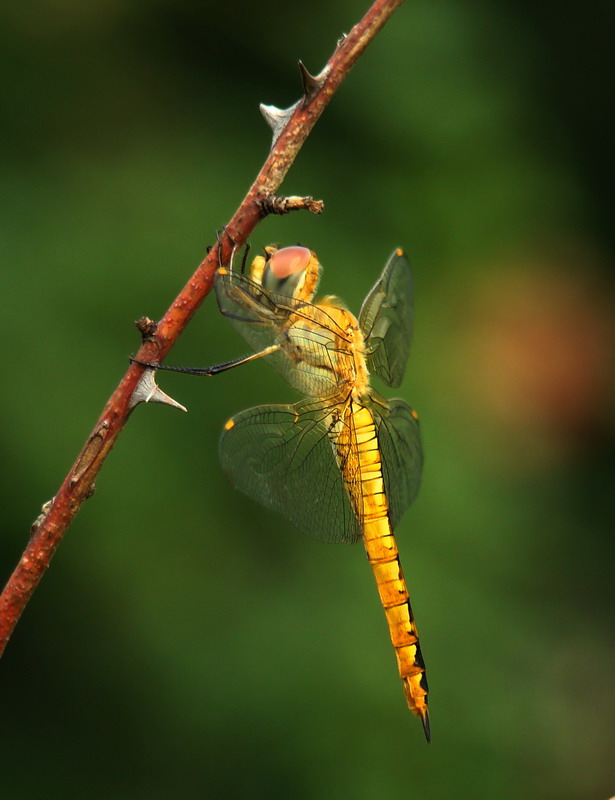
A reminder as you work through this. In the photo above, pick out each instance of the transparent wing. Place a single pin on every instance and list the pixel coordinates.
(310, 355)
(386, 321)
(401, 452)
(253, 312)
(249, 306)
(282, 457)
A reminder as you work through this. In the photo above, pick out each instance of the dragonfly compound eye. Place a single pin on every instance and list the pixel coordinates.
(288, 261)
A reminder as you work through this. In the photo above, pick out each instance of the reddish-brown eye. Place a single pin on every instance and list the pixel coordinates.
(289, 260)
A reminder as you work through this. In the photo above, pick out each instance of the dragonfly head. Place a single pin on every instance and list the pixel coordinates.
(290, 271)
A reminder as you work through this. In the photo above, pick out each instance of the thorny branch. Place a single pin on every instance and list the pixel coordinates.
(290, 128)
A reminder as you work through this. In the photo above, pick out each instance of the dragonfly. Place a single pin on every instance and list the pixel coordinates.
(342, 464)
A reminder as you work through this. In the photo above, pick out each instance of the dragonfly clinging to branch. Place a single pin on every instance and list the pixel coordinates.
(344, 463)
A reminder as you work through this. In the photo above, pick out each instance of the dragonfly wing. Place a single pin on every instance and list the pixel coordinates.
(305, 333)
(282, 456)
(401, 452)
(252, 311)
(386, 321)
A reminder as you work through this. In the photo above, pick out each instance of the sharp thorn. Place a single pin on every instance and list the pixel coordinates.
(311, 83)
(277, 118)
(148, 391)
(158, 396)
(271, 115)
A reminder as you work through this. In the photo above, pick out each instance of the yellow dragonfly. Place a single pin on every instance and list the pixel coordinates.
(344, 463)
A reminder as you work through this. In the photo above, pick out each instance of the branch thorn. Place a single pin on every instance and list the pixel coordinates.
(311, 83)
(148, 391)
(277, 118)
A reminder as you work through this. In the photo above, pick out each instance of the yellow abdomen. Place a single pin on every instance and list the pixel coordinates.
(371, 502)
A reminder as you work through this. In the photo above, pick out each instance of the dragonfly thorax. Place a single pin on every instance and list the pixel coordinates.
(351, 343)
(325, 344)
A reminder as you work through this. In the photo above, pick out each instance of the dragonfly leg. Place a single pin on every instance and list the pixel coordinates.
(245, 258)
(235, 248)
(215, 369)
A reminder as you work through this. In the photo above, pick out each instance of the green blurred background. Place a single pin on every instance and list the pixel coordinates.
(186, 643)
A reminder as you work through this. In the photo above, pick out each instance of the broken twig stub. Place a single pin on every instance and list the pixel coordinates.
(278, 204)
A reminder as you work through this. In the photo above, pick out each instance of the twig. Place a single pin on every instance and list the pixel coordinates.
(284, 205)
(290, 128)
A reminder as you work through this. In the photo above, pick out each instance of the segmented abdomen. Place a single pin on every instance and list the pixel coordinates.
(369, 494)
